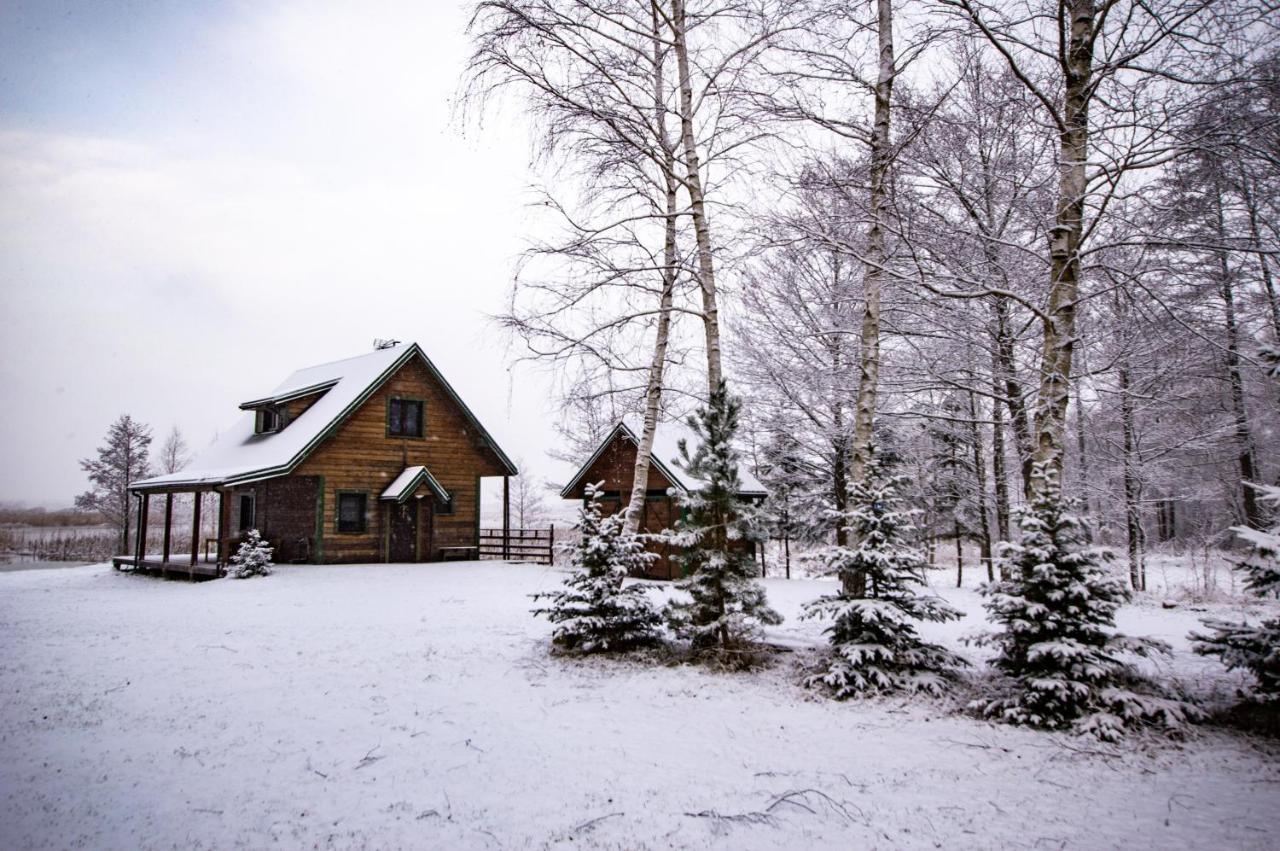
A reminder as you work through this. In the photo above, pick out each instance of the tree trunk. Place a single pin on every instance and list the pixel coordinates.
(980, 475)
(1132, 484)
(1244, 440)
(653, 393)
(786, 549)
(1064, 244)
(997, 462)
(1081, 449)
(1268, 283)
(1010, 389)
(869, 359)
(697, 202)
(959, 555)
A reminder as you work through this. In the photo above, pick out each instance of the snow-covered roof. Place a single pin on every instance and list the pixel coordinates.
(409, 480)
(665, 456)
(239, 455)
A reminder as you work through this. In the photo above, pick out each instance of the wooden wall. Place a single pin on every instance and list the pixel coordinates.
(616, 469)
(359, 456)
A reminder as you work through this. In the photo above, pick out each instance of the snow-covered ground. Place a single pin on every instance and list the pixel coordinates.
(417, 707)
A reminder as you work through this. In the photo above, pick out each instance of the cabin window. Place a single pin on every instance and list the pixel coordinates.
(247, 505)
(445, 507)
(351, 513)
(268, 420)
(404, 418)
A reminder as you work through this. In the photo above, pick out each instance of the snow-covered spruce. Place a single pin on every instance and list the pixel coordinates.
(594, 612)
(874, 643)
(727, 605)
(253, 558)
(1255, 649)
(1059, 644)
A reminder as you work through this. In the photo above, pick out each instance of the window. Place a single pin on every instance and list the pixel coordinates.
(404, 418)
(445, 508)
(246, 511)
(351, 513)
(269, 420)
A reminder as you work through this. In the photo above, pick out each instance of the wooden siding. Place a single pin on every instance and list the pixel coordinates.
(359, 456)
(284, 513)
(616, 469)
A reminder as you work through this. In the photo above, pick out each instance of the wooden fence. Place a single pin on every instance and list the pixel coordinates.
(532, 545)
(535, 545)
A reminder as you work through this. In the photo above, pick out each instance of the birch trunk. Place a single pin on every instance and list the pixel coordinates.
(697, 201)
(869, 359)
(653, 392)
(1064, 244)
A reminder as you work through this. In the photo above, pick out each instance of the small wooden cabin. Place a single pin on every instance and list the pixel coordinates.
(372, 458)
(613, 463)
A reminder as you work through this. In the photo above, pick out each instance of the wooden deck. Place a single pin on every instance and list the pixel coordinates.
(169, 569)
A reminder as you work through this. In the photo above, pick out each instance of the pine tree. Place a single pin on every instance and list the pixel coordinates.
(595, 612)
(784, 474)
(874, 643)
(123, 460)
(727, 607)
(1059, 644)
(253, 558)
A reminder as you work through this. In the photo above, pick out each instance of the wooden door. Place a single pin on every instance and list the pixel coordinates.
(426, 529)
(404, 531)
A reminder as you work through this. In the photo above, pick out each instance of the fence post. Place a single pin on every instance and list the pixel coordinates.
(551, 545)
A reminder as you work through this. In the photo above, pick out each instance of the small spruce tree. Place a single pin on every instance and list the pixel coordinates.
(595, 612)
(1255, 649)
(727, 605)
(253, 558)
(1059, 644)
(874, 643)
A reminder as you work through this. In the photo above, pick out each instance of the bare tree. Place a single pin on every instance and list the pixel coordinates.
(174, 454)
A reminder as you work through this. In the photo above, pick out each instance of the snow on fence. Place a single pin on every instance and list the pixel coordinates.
(536, 546)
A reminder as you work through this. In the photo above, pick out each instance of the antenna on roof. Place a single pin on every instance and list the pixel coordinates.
(379, 344)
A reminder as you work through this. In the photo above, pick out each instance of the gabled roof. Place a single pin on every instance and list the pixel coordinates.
(409, 480)
(239, 455)
(665, 457)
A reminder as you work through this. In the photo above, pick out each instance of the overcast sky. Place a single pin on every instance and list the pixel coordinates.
(198, 198)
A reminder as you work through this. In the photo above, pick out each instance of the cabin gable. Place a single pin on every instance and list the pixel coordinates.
(362, 455)
(614, 465)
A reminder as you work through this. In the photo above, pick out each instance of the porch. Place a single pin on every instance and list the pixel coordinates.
(192, 564)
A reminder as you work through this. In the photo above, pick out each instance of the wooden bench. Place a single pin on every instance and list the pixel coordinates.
(459, 553)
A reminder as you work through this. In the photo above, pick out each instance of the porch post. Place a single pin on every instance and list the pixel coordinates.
(506, 517)
(137, 531)
(222, 526)
(195, 527)
(142, 526)
(168, 522)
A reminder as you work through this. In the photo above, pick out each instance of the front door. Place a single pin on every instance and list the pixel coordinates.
(404, 531)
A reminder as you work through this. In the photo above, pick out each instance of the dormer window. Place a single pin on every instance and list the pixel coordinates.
(404, 418)
(269, 420)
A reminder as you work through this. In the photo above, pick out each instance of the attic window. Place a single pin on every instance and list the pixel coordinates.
(404, 418)
(268, 420)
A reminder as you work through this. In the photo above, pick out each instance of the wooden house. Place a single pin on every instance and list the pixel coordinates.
(372, 458)
(613, 464)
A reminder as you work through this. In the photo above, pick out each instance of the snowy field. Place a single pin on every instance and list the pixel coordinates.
(416, 707)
